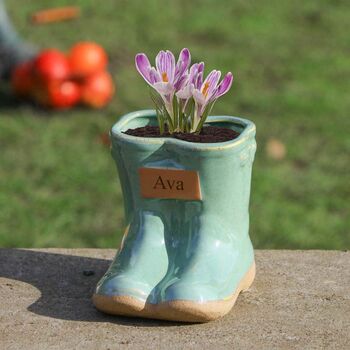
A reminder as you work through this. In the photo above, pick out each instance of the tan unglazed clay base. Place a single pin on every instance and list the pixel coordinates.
(175, 310)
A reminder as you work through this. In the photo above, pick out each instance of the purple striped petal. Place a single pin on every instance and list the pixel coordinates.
(210, 83)
(225, 85)
(143, 66)
(160, 61)
(170, 66)
(201, 67)
(154, 76)
(164, 88)
(192, 78)
(213, 78)
(165, 63)
(183, 63)
(199, 80)
(186, 92)
(181, 82)
(198, 97)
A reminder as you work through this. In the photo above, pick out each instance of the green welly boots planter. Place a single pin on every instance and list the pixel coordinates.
(186, 253)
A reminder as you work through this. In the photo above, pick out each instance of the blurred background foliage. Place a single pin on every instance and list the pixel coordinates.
(291, 62)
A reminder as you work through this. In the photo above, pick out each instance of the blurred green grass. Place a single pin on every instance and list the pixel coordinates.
(291, 62)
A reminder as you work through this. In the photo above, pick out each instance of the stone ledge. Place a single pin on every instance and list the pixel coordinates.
(299, 300)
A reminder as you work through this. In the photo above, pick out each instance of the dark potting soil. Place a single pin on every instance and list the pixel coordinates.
(208, 134)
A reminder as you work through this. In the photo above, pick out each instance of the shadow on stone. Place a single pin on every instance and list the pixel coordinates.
(66, 284)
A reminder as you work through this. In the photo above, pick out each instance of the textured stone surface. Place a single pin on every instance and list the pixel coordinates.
(299, 300)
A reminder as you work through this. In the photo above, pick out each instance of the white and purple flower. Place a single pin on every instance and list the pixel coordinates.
(176, 84)
(167, 77)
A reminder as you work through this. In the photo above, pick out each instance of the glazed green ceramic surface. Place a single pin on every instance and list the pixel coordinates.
(183, 249)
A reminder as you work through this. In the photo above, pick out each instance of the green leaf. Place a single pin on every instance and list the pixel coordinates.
(192, 115)
(168, 120)
(160, 121)
(160, 108)
(182, 122)
(157, 100)
(188, 125)
(176, 112)
(189, 106)
(204, 116)
(188, 116)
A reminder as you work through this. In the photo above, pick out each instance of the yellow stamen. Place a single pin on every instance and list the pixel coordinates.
(165, 77)
(205, 89)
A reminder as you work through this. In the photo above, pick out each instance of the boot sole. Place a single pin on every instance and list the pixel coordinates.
(175, 310)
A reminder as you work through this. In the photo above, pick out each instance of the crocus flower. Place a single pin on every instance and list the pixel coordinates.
(210, 90)
(193, 80)
(167, 77)
(181, 68)
(177, 85)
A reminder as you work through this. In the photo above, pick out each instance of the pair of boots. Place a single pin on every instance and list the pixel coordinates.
(183, 260)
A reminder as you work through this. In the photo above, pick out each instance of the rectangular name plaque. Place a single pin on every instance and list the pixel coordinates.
(169, 183)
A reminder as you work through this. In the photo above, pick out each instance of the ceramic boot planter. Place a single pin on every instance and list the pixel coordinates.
(186, 253)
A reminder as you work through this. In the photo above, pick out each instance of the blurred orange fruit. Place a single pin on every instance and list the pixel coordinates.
(97, 90)
(51, 65)
(86, 58)
(57, 94)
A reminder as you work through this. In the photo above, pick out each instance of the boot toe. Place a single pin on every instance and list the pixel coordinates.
(190, 302)
(121, 295)
(124, 286)
(190, 291)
